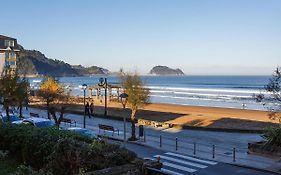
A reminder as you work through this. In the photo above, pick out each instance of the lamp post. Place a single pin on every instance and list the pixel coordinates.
(103, 82)
(124, 99)
(84, 87)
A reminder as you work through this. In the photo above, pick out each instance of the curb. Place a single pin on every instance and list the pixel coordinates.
(254, 168)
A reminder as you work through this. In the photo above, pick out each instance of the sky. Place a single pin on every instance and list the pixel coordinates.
(201, 37)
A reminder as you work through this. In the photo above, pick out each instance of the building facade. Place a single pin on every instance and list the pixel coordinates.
(8, 55)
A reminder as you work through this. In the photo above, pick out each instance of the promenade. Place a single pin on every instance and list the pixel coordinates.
(223, 147)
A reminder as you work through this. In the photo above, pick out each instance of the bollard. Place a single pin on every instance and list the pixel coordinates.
(144, 137)
(160, 144)
(176, 143)
(194, 148)
(214, 151)
(234, 156)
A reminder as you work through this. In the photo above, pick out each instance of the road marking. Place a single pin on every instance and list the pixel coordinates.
(182, 162)
(170, 172)
(191, 158)
(190, 170)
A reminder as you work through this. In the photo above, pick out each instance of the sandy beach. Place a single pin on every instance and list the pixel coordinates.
(196, 116)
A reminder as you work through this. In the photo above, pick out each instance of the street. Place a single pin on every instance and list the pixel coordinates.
(180, 164)
(183, 161)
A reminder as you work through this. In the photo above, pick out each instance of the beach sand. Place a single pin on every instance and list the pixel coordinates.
(195, 116)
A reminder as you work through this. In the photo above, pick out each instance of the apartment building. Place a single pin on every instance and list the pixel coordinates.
(8, 55)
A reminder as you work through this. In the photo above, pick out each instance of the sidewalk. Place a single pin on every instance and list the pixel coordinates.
(219, 146)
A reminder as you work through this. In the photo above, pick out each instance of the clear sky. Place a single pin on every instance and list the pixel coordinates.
(199, 36)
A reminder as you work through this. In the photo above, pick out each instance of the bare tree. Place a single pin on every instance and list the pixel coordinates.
(138, 95)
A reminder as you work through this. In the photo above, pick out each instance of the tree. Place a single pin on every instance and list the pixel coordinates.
(22, 94)
(50, 90)
(13, 90)
(56, 99)
(138, 95)
(271, 99)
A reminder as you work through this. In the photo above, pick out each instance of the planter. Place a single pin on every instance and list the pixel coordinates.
(259, 148)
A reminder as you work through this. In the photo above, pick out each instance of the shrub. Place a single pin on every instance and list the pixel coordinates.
(60, 152)
(27, 170)
(273, 137)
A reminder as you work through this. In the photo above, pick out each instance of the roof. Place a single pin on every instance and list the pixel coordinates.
(7, 37)
(2, 43)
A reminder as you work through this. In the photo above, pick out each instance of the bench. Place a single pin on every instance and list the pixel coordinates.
(34, 115)
(67, 120)
(108, 128)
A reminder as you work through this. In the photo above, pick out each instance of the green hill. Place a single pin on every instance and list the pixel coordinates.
(35, 63)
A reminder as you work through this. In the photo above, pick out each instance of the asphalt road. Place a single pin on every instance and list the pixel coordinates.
(180, 164)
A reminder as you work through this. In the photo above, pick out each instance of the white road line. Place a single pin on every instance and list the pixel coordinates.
(190, 170)
(191, 158)
(182, 162)
(170, 172)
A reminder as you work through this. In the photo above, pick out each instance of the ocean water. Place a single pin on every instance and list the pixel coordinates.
(215, 91)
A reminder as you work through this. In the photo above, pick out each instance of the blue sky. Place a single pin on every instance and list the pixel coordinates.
(199, 36)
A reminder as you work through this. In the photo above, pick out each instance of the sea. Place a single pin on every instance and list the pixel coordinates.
(213, 91)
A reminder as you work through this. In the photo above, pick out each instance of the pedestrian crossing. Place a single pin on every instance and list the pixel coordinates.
(178, 164)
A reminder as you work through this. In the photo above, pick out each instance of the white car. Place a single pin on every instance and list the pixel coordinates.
(83, 131)
(37, 122)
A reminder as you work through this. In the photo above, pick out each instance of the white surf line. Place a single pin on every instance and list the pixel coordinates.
(191, 158)
(190, 170)
(182, 162)
(170, 172)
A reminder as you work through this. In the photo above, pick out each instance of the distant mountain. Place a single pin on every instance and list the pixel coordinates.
(34, 63)
(90, 70)
(164, 70)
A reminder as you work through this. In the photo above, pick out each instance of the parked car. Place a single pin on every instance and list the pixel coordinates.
(37, 122)
(13, 118)
(83, 131)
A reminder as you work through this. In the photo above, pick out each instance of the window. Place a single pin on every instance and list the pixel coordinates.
(9, 43)
(9, 55)
(12, 63)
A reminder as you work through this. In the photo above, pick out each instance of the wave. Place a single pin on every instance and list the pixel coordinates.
(250, 91)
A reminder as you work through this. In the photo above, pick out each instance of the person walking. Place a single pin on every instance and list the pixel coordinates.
(92, 109)
(87, 110)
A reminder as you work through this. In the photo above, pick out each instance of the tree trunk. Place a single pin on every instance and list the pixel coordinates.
(20, 110)
(7, 113)
(48, 109)
(53, 113)
(133, 136)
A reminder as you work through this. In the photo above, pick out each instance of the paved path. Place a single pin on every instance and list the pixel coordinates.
(217, 146)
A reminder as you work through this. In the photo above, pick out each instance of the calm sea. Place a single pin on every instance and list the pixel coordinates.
(216, 91)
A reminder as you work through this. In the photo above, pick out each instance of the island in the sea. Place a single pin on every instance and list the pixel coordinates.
(164, 70)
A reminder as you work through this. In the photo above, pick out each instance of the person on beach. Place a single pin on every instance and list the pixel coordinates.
(92, 108)
(87, 110)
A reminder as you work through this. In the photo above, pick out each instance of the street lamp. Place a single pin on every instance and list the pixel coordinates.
(84, 87)
(103, 82)
(124, 99)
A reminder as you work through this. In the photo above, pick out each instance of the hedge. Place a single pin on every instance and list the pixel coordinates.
(60, 152)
